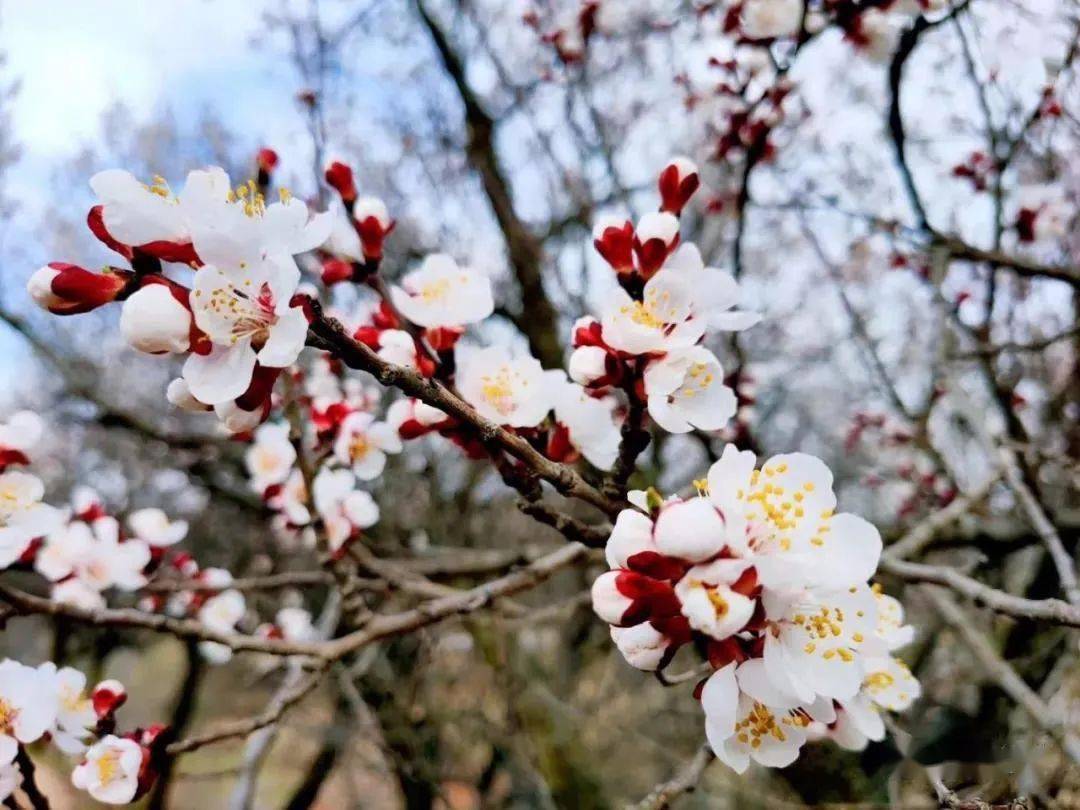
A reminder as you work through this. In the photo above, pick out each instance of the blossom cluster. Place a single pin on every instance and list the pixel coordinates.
(240, 323)
(86, 553)
(873, 29)
(772, 583)
(358, 445)
(799, 648)
(50, 703)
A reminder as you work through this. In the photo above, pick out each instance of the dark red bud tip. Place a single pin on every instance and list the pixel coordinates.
(266, 159)
(339, 176)
(334, 271)
(107, 697)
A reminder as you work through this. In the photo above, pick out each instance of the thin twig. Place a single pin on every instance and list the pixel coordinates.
(1001, 673)
(685, 781)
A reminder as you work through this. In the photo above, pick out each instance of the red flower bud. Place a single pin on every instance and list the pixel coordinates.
(266, 159)
(373, 225)
(678, 182)
(339, 177)
(107, 697)
(66, 289)
(336, 270)
(443, 338)
(615, 242)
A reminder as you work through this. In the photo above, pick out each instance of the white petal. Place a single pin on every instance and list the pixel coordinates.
(222, 375)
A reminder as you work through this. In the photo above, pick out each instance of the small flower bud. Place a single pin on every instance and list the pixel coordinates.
(107, 697)
(656, 236)
(678, 182)
(613, 239)
(339, 176)
(152, 320)
(588, 364)
(335, 270)
(66, 289)
(238, 420)
(608, 601)
(266, 159)
(179, 395)
(373, 224)
(642, 645)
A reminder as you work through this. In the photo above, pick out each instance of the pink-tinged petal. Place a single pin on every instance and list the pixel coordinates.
(286, 339)
(607, 601)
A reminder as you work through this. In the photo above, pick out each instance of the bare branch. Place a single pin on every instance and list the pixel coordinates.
(1050, 610)
(279, 704)
(1002, 674)
(330, 335)
(685, 781)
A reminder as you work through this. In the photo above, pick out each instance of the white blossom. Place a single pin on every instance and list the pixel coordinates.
(110, 769)
(442, 294)
(153, 527)
(508, 389)
(271, 456)
(22, 515)
(363, 443)
(659, 322)
(685, 390)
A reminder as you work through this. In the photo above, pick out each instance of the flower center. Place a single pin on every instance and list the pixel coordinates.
(72, 701)
(878, 681)
(698, 379)
(498, 391)
(108, 766)
(435, 291)
(10, 503)
(160, 187)
(641, 314)
(8, 715)
(250, 316)
(267, 462)
(359, 447)
(719, 603)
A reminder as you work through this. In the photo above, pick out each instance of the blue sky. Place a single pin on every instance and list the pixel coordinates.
(73, 59)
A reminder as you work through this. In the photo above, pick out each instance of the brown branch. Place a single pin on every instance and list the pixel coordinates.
(330, 335)
(908, 41)
(572, 529)
(241, 728)
(378, 627)
(634, 441)
(525, 250)
(270, 582)
(1044, 528)
(1049, 610)
(26, 603)
(1002, 674)
(29, 786)
(685, 781)
(465, 602)
(959, 249)
(923, 533)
